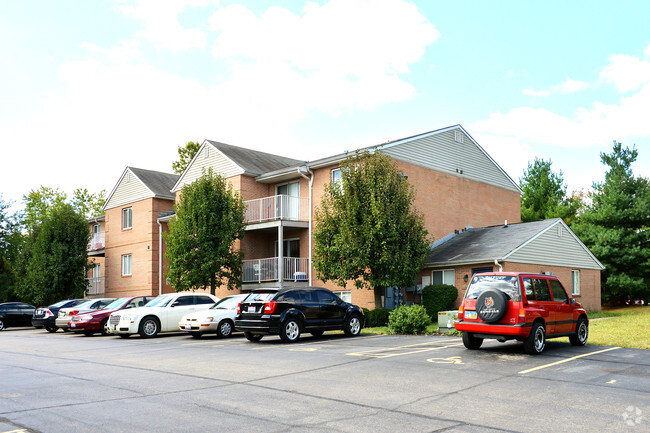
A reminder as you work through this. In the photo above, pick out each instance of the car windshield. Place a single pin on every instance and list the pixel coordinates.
(117, 304)
(228, 303)
(504, 283)
(160, 301)
(259, 296)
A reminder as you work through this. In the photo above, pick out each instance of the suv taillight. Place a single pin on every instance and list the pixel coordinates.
(522, 315)
(461, 314)
(239, 308)
(269, 307)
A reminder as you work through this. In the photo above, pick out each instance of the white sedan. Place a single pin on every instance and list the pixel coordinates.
(161, 314)
(220, 318)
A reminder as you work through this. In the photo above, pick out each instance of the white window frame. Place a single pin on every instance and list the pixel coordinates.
(453, 280)
(127, 211)
(459, 137)
(336, 180)
(127, 265)
(345, 295)
(575, 282)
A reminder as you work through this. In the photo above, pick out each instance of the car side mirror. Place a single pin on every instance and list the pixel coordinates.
(572, 301)
(175, 304)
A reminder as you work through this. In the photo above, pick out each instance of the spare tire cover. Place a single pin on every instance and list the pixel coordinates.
(491, 306)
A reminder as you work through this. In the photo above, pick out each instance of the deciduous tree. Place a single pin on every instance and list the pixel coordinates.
(201, 241)
(185, 155)
(367, 229)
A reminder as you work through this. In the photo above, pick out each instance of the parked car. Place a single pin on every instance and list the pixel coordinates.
(65, 314)
(46, 316)
(219, 318)
(526, 307)
(288, 312)
(162, 314)
(97, 321)
(15, 314)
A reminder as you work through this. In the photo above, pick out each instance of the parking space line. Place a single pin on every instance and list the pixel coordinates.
(375, 354)
(530, 370)
(328, 341)
(22, 430)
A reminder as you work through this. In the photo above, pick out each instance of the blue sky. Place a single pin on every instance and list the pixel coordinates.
(89, 87)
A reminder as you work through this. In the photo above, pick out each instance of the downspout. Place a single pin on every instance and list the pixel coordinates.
(159, 257)
(311, 183)
(496, 262)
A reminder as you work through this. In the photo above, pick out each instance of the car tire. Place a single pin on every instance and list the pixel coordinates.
(2, 325)
(252, 337)
(224, 329)
(317, 333)
(353, 326)
(582, 333)
(471, 342)
(50, 328)
(89, 333)
(124, 335)
(196, 334)
(149, 327)
(290, 331)
(536, 341)
(491, 306)
(103, 327)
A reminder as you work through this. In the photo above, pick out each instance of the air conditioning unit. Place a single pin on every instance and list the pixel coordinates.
(446, 320)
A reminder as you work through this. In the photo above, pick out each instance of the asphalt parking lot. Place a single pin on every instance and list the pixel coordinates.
(66, 382)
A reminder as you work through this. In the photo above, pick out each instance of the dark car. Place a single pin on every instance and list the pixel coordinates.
(288, 312)
(46, 317)
(97, 321)
(15, 314)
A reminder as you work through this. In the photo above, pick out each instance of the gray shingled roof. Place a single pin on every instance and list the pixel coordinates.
(485, 244)
(158, 182)
(254, 161)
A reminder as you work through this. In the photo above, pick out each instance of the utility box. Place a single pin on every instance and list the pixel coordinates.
(446, 320)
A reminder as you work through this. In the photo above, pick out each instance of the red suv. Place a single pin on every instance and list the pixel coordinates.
(521, 306)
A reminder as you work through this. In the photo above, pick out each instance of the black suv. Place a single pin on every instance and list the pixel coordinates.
(15, 314)
(293, 310)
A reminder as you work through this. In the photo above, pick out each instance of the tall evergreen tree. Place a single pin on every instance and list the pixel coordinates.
(616, 227)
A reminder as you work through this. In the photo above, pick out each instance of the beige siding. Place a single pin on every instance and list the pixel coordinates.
(129, 190)
(439, 151)
(553, 249)
(216, 160)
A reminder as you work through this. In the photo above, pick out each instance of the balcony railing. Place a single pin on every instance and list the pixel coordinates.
(277, 207)
(295, 269)
(95, 286)
(97, 242)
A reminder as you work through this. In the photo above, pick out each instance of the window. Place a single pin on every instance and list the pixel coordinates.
(327, 298)
(345, 295)
(575, 277)
(203, 299)
(446, 276)
(559, 295)
(127, 218)
(182, 301)
(290, 248)
(336, 176)
(541, 289)
(126, 265)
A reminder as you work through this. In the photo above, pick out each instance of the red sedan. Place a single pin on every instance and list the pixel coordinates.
(96, 321)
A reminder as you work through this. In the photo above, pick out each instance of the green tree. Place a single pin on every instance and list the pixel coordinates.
(366, 228)
(544, 194)
(201, 241)
(616, 227)
(88, 204)
(185, 155)
(10, 243)
(38, 205)
(55, 258)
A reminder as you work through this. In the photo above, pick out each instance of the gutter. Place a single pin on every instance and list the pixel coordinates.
(159, 257)
(301, 172)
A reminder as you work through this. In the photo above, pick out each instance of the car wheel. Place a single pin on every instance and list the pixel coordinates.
(290, 332)
(50, 328)
(196, 334)
(581, 334)
(316, 333)
(124, 335)
(224, 330)
(353, 326)
(253, 337)
(536, 341)
(89, 333)
(2, 325)
(471, 342)
(103, 326)
(149, 327)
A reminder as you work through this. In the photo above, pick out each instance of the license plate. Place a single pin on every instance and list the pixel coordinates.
(112, 327)
(72, 325)
(470, 314)
(188, 326)
(251, 309)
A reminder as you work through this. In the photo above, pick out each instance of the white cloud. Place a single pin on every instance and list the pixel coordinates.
(571, 86)
(627, 73)
(161, 25)
(531, 92)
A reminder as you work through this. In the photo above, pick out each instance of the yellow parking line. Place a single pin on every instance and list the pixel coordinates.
(373, 354)
(22, 430)
(530, 370)
(320, 342)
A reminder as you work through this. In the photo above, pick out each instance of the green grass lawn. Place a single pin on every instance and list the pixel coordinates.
(623, 327)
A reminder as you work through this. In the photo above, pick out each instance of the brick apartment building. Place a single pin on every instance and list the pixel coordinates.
(457, 185)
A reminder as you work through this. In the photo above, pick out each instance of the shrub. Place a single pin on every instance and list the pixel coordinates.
(408, 319)
(377, 317)
(438, 297)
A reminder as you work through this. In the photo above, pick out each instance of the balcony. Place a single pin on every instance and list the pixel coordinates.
(295, 269)
(277, 207)
(95, 286)
(97, 242)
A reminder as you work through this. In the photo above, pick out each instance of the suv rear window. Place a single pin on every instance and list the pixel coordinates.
(259, 296)
(504, 283)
